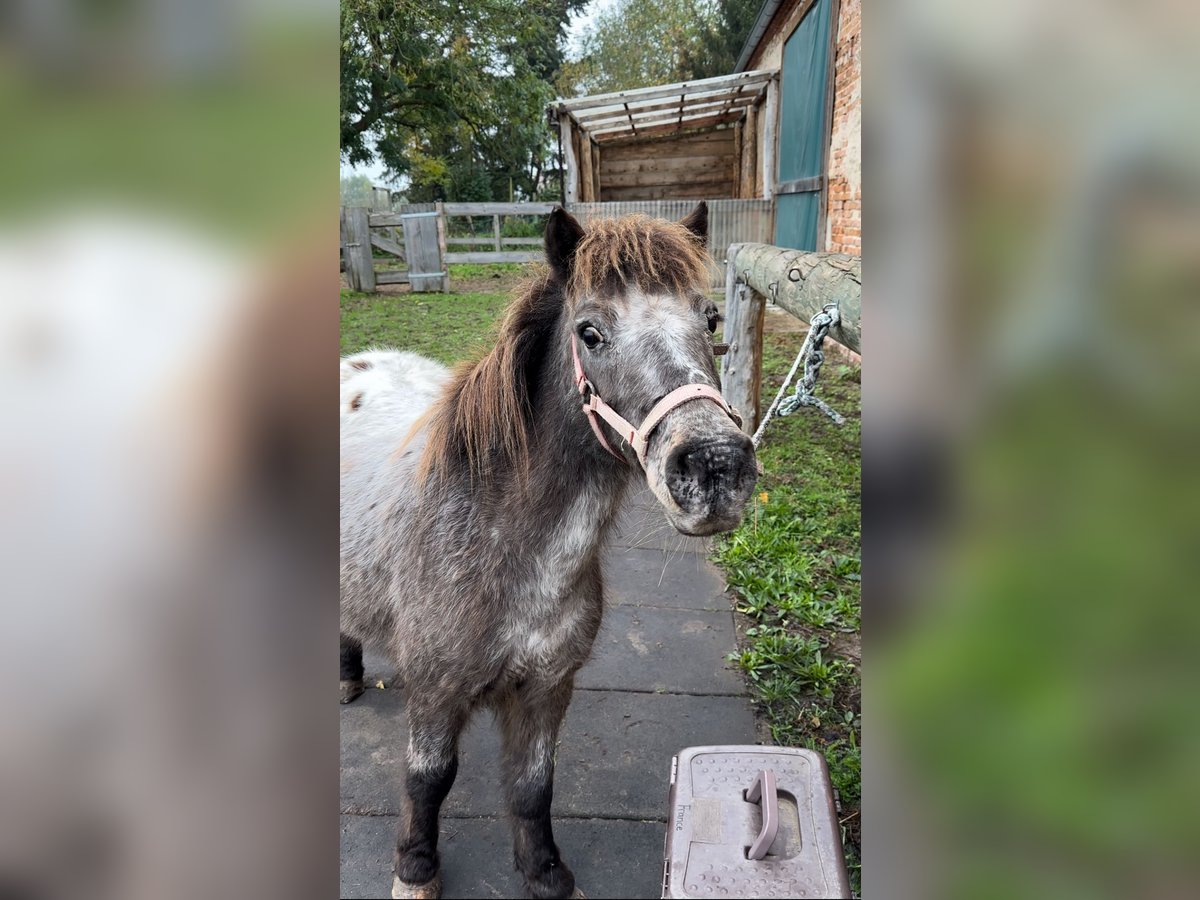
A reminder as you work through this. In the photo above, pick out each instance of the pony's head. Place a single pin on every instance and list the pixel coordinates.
(641, 319)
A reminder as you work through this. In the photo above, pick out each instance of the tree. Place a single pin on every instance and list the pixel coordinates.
(452, 94)
(356, 190)
(639, 43)
(720, 46)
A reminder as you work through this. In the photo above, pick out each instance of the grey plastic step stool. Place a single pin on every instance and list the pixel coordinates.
(750, 821)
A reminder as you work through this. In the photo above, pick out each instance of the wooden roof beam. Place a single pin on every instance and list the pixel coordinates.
(670, 126)
(587, 116)
(669, 90)
(642, 115)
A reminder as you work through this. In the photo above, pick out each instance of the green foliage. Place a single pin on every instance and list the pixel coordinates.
(639, 43)
(719, 47)
(356, 190)
(452, 95)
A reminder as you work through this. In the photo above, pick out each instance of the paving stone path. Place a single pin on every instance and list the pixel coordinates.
(657, 682)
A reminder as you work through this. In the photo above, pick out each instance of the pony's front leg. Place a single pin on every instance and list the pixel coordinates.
(432, 765)
(530, 720)
(351, 675)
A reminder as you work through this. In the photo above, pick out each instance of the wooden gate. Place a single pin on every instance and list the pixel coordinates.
(411, 240)
(424, 239)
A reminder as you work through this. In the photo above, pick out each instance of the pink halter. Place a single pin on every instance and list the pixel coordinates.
(638, 438)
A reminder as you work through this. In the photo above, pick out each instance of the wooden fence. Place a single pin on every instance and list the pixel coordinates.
(419, 241)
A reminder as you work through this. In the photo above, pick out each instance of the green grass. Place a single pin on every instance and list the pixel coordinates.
(794, 569)
(485, 270)
(445, 327)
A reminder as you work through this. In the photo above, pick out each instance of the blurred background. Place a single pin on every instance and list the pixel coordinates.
(1030, 423)
(168, 459)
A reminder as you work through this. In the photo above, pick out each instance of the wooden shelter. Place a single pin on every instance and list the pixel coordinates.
(707, 139)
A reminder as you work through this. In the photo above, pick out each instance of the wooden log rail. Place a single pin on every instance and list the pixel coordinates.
(800, 282)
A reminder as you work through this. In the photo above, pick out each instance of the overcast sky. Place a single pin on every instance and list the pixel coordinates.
(579, 24)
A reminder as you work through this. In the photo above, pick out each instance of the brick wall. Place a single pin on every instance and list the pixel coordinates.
(844, 222)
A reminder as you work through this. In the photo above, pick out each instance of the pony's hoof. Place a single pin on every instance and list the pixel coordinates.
(430, 890)
(577, 894)
(351, 690)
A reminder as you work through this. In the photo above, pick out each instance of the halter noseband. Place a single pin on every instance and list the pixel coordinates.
(638, 438)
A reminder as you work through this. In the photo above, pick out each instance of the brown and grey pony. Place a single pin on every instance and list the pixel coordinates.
(475, 503)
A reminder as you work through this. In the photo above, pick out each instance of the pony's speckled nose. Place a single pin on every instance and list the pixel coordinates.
(712, 477)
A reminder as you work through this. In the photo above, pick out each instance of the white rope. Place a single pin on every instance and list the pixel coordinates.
(783, 390)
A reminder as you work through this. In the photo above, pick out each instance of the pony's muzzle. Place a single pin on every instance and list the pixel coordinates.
(710, 480)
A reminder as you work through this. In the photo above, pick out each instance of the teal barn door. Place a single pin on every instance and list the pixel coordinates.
(802, 135)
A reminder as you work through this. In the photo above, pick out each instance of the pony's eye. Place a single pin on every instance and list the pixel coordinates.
(713, 319)
(591, 337)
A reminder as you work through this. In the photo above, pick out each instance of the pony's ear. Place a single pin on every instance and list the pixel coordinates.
(563, 234)
(697, 221)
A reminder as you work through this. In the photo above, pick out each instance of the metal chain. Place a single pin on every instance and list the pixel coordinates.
(812, 356)
(804, 394)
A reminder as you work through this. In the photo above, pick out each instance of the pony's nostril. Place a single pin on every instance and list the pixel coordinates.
(713, 473)
(685, 476)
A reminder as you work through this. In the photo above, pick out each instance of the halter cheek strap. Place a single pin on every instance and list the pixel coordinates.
(638, 438)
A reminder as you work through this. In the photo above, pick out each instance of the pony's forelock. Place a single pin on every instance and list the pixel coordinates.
(638, 252)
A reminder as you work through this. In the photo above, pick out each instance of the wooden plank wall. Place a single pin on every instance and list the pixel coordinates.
(700, 166)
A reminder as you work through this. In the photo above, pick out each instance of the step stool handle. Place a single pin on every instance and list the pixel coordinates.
(763, 789)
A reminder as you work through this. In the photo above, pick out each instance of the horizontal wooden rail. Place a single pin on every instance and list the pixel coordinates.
(491, 256)
(506, 242)
(806, 282)
(504, 209)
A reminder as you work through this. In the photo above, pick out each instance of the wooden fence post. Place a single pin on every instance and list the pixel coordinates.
(749, 151)
(595, 170)
(741, 367)
(443, 263)
(770, 123)
(571, 175)
(585, 168)
(344, 240)
(360, 264)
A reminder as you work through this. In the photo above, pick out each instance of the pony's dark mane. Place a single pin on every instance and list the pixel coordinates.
(484, 416)
(482, 421)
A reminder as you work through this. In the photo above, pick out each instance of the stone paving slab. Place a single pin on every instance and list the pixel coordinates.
(679, 580)
(615, 755)
(613, 758)
(653, 649)
(610, 858)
